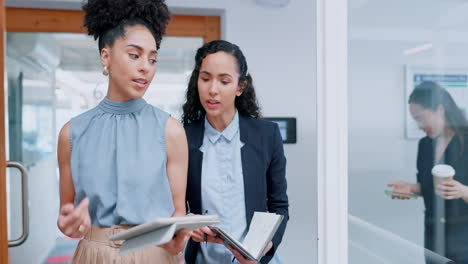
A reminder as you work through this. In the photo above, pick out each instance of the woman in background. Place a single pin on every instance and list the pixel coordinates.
(446, 142)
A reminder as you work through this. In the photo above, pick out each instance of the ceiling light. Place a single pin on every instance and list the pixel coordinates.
(417, 49)
(272, 3)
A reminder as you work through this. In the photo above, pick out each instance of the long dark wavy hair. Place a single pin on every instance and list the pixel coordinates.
(246, 104)
(429, 95)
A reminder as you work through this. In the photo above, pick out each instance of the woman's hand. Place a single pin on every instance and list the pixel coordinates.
(244, 260)
(403, 188)
(205, 234)
(177, 244)
(74, 222)
(452, 189)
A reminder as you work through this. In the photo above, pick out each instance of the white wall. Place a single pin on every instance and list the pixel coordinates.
(279, 44)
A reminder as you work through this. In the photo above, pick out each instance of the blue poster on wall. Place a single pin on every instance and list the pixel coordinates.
(445, 80)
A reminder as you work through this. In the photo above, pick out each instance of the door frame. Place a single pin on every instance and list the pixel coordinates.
(332, 130)
(3, 202)
(71, 21)
(68, 21)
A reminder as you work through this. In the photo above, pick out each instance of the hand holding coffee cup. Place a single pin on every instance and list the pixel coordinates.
(442, 172)
(443, 179)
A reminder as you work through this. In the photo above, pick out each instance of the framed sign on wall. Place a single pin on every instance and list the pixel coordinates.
(287, 126)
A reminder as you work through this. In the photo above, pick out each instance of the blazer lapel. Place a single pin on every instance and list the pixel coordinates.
(248, 158)
(195, 136)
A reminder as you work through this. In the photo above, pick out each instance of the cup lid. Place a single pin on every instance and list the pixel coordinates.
(443, 170)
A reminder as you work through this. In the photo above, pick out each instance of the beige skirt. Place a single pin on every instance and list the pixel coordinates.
(96, 248)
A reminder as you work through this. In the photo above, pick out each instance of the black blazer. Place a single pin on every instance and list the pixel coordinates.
(454, 212)
(264, 169)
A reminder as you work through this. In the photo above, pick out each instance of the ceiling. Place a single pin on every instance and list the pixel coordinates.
(408, 20)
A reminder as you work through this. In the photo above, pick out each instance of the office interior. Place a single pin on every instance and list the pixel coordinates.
(53, 76)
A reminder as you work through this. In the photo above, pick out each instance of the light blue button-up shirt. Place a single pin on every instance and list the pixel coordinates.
(223, 187)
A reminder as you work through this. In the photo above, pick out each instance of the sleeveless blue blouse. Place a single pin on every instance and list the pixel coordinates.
(118, 161)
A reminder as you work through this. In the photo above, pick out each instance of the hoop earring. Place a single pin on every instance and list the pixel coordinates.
(105, 71)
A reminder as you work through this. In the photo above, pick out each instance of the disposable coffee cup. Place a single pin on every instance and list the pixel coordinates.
(442, 173)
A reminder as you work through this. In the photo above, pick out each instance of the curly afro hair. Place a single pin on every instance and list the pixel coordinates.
(106, 20)
(246, 104)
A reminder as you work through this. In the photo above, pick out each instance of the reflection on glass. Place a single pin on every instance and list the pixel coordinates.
(408, 95)
(446, 214)
(283, 125)
(442, 178)
(14, 205)
(31, 62)
(30, 98)
(386, 247)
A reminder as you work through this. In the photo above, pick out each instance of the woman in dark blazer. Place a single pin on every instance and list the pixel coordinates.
(236, 160)
(446, 214)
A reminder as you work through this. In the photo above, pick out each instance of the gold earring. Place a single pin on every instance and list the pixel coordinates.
(105, 71)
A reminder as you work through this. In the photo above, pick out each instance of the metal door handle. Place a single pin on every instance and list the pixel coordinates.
(25, 209)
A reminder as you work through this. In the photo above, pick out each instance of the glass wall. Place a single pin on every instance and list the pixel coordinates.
(408, 95)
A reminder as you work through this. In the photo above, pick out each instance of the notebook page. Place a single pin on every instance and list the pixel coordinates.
(261, 231)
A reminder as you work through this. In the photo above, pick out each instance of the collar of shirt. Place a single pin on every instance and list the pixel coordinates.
(228, 133)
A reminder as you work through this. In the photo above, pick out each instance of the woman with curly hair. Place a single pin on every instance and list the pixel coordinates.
(236, 160)
(124, 162)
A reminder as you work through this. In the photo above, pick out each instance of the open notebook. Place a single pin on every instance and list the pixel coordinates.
(262, 229)
(159, 231)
